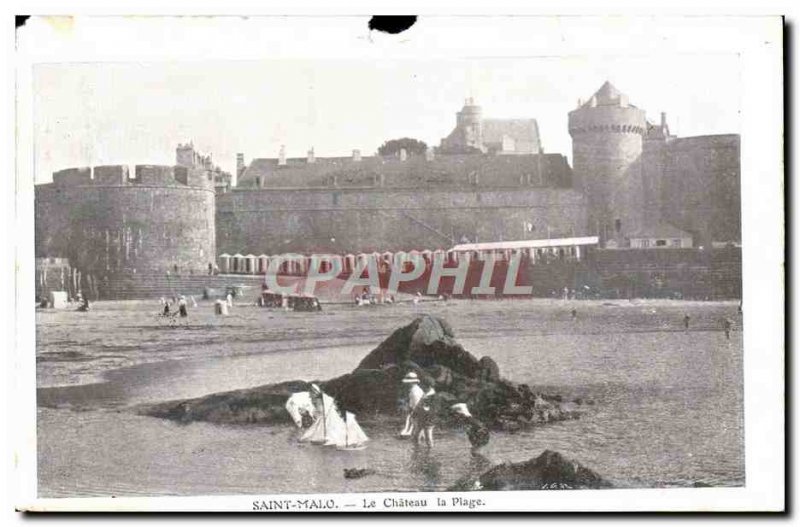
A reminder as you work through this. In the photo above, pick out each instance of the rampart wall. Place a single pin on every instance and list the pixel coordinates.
(701, 189)
(272, 221)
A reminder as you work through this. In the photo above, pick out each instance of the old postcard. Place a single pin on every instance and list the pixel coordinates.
(403, 264)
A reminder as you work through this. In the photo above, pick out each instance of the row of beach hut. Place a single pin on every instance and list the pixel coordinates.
(296, 264)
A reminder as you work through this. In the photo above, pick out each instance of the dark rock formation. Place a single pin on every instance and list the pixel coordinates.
(426, 346)
(549, 471)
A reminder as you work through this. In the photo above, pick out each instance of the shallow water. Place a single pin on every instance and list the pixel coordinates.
(667, 402)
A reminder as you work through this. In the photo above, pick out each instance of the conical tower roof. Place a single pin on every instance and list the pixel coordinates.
(607, 95)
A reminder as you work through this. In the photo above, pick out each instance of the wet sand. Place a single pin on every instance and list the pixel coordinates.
(668, 406)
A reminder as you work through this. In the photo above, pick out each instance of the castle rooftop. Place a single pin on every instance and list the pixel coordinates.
(607, 95)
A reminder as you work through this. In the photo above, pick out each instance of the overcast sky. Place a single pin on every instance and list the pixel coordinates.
(128, 113)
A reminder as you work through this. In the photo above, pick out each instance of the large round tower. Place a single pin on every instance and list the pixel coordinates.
(113, 227)
(606, 157)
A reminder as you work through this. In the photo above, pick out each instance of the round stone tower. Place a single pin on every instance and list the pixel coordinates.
(113, 227)
(607, 137)
(468, 120)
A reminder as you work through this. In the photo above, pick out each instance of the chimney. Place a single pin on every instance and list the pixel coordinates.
(311, 159)
(580, 103)
(356, 155)
(403, 154)
(429, 155)
(282, 156)
(663, 120)
(239, 163)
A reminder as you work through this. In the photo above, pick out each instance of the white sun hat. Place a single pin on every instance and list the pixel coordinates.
(411, 377)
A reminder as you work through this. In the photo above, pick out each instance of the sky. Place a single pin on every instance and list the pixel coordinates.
(131, 113)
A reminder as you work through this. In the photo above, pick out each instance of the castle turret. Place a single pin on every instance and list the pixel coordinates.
(606, 155)
(185, 155)
(468, 120)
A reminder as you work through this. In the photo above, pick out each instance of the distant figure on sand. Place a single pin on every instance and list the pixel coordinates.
(182, 307)
(574, 313)
(686, 319)
(230, 300)
(84, 305)
(220, 307)
(165, 309)
(728, 325)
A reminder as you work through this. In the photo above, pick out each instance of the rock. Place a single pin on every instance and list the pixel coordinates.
(427, 341)
(490, 371)
(441, 376)
(427, 347)
(549, 471)
(478, 435)
(265, 404)
(355, 473)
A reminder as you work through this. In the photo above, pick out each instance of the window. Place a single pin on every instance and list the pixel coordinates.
(661, 243)
(645, 243)
(676, 242)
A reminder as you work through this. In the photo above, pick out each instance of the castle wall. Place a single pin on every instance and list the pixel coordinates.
(701, 187)
(451, 171)
(151, 223)
(275, 221)
(655, 157)
(73, 176)
(111, 175)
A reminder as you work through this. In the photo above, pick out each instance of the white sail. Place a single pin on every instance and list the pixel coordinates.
(355, 435)
(331, 430)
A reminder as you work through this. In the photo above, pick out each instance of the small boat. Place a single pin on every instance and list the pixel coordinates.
(354, 437)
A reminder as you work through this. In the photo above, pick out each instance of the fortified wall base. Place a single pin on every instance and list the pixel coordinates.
(351, 220)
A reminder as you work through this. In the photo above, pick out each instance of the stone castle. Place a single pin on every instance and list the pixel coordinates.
(631, 183)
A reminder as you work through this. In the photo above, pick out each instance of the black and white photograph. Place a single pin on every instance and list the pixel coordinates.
(393, 275)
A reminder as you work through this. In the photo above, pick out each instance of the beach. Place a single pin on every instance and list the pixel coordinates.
(666, 402)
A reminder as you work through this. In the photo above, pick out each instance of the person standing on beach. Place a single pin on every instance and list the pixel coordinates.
(686, 319)
(728, 325)
(415, 395)
(182, 307)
